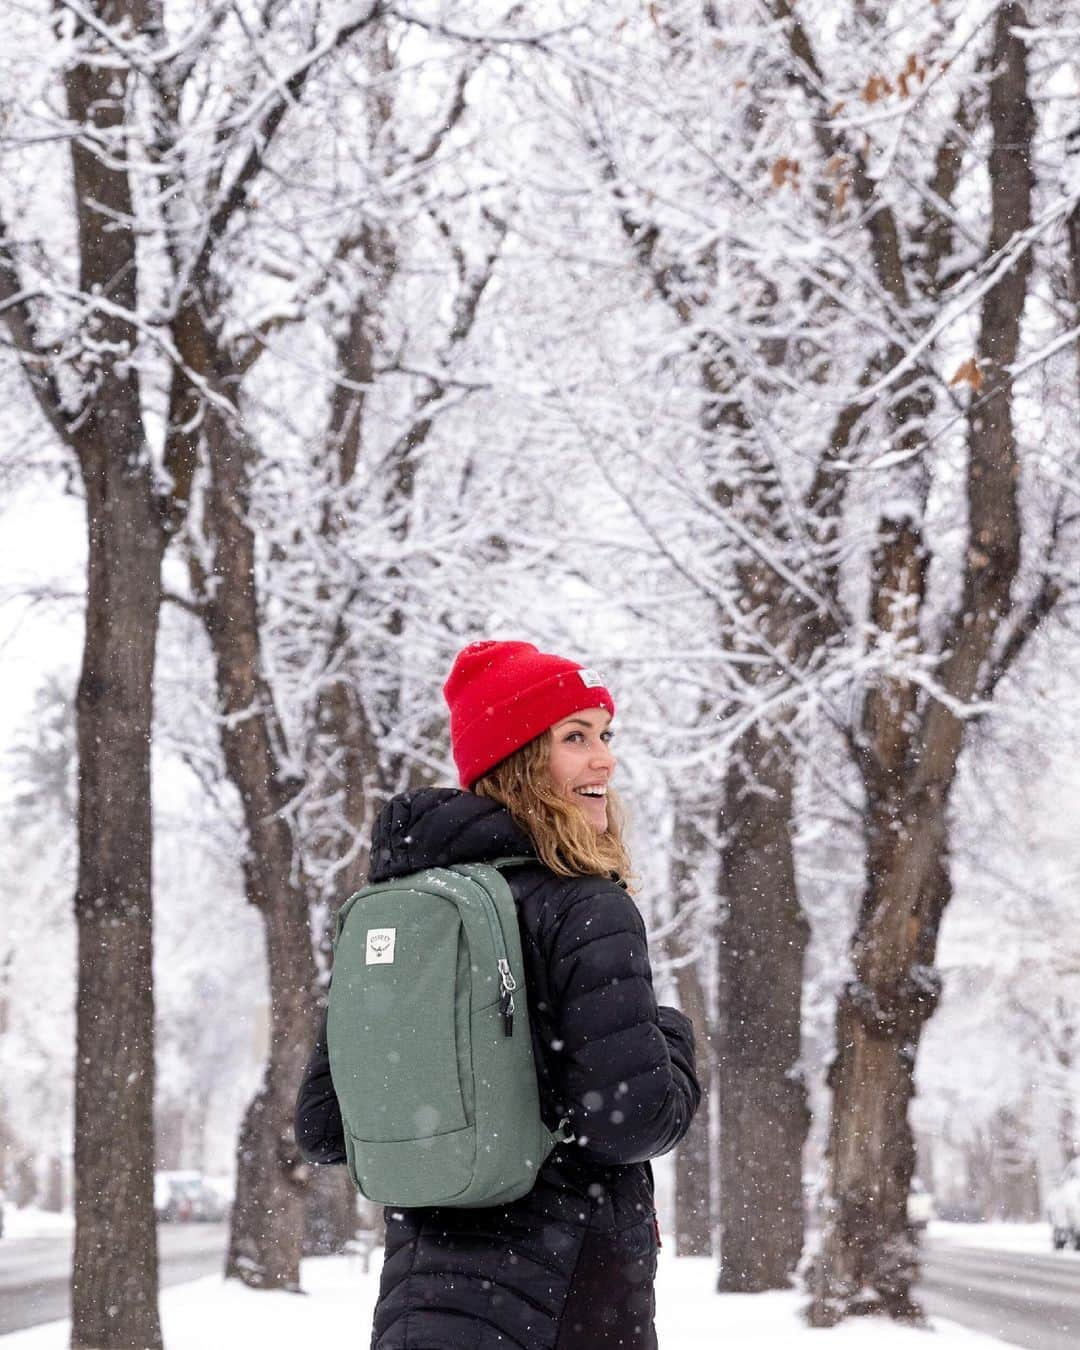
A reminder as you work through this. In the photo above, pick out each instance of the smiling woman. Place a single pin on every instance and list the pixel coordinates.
(571, 1264)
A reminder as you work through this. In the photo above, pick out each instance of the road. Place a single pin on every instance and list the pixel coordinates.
(1025, 1298)
(35, 1271)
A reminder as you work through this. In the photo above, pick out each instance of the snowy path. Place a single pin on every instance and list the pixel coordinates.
(1000, 1278)
(210, 1315)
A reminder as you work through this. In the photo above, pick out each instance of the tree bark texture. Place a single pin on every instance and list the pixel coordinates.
(1064, 1053)
(343, 767)
(761, 1100)
(343, 758)
(114, 1272)
(693, 1167)
(761, 1096)
(331, 1212)
(342, 773)
(694, 1217)
(1073, 269)
(871, 1150)
(907, 749)
(267, 1232)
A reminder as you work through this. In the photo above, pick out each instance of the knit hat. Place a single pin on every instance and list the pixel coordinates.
(502, 694)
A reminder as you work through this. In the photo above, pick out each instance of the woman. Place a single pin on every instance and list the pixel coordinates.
(571, 1265)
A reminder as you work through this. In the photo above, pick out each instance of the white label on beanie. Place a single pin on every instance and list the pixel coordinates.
(380, 946)
(591, 679)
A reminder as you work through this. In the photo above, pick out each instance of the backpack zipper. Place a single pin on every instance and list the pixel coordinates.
(506, 998)
(507, 983)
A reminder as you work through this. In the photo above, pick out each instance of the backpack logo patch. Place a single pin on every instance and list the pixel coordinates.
(380, 946)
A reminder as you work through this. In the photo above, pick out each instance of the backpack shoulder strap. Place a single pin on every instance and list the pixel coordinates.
(512, 860)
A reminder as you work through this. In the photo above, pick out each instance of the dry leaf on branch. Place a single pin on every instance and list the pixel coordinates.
(914, 70)
(968, 373)
(875, 89)
(785, 170)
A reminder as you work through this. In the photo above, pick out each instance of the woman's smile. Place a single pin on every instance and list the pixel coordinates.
(581, 762)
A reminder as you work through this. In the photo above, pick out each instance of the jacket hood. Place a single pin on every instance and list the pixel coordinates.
(437, 827)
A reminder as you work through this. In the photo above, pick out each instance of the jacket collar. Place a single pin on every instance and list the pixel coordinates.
(437, 827)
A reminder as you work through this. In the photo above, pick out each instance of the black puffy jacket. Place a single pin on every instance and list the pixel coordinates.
(569, 1266)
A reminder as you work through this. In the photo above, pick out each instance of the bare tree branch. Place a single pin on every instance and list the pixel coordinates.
(993, 553)
(234, 197)
(38, 364)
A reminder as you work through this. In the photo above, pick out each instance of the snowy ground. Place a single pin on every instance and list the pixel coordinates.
(21, 1223)
(210, 1315)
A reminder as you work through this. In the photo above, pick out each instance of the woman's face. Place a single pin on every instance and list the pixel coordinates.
(581, 762)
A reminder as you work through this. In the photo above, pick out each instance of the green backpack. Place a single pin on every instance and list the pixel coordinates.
(431, 1061)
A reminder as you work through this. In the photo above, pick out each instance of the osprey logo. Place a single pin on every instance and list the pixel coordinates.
(380, 946)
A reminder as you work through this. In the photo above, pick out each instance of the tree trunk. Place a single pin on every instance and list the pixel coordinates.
(52, 1200)
(331, 1212)
(761, 1096)
(267, 1231)
(344, 753)
(169, 1137)
(1073, 271)
(114, 1272)
(693, 1163)
(908, 745)
(1016, 1183)
(868, 1256)
(870, 1252)
(114, 1279)
(1065, 1058)
(694, 1218)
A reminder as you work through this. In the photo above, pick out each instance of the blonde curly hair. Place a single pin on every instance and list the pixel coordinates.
(565, 840)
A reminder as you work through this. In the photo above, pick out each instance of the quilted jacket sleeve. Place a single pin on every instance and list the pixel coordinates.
(319, 1130)
(626, 1068)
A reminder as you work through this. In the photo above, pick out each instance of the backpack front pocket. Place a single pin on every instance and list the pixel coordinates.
(395, 1064)
(431, 1171)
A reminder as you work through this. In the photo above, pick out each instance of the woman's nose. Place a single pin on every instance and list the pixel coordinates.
(602, 756)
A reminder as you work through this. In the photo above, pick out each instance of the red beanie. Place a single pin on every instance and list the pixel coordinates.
(502, 694)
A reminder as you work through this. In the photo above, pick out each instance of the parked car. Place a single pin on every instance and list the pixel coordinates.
(1063, 1208)
(961, 1211)
(218, 1193)
(184, 1197)
(920, 1205)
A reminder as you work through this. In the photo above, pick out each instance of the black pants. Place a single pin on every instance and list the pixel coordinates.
(612, 1301)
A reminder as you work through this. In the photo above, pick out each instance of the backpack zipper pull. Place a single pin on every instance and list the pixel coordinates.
(506, 998)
